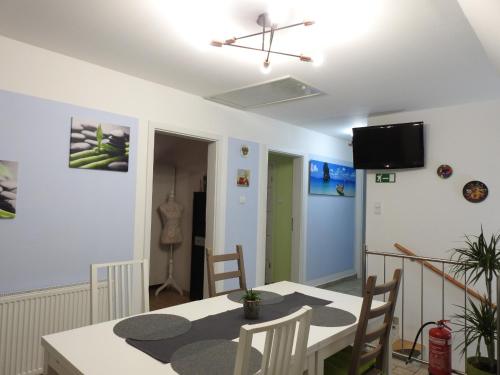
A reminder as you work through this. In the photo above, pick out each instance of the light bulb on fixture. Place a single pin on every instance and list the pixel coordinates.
(265, 67)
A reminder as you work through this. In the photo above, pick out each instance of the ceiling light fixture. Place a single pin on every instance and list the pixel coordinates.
(268, 27)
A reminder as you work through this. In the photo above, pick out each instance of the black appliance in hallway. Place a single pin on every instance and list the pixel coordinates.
(198, 246)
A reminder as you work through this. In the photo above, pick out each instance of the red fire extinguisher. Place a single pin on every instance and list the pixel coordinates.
(439, 348)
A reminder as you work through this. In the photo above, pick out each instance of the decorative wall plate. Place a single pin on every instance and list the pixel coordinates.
(475, 191)
(444, 171)
(244, 150)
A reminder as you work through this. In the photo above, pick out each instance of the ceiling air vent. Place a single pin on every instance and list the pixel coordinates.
(262, 94)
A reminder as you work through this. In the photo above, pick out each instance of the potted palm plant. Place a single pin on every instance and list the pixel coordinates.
(251, 304)
(479, 259)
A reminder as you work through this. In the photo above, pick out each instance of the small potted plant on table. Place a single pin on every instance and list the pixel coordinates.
(251, 304)
(479, 260)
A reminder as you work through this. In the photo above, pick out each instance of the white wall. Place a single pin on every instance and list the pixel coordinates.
(38, 72)
(425, 212)
(428, 214)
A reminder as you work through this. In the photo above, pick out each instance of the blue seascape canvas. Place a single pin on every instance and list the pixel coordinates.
(331, 179)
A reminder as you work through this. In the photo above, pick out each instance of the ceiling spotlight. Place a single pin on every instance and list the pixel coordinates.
(266, 67)
(269, 29)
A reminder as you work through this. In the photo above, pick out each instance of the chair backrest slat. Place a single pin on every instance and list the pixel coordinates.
(375, 334)
(119, 284)
(266, 354)
(378, 311)
(280, 356)
(225, 257)
(116, 284)
(366, 357)
(382, 332)
(110, 295)
(213, 277)
(384, 288)
(129, 288)
(124, 293)
(227, 275)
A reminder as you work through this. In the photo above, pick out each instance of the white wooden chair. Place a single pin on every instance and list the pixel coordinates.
(279, 356)
(120, 286)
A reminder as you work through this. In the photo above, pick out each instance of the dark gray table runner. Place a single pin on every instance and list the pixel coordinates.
(225, 325)
(266, 298)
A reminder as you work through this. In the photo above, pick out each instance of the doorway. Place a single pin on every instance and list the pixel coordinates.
(283, 217)
(178, 212)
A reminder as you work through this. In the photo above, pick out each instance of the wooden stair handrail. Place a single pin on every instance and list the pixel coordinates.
(451, 279)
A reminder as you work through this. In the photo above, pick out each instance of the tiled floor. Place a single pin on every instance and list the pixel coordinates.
(353, 286)
(400, 368)
(348, 286)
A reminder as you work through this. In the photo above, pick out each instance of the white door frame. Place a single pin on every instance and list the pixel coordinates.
(214, 238)
(299, 208)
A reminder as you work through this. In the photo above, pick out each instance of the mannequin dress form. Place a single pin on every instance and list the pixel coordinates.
(171, 213)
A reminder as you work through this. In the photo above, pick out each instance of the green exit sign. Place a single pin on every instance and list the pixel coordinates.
(385, 178)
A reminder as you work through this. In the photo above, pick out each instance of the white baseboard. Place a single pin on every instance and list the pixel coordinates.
(331, 278)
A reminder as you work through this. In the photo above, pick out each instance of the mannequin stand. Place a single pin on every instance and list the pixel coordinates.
(170, 275)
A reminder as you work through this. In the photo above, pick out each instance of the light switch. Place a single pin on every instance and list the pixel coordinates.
(243, 199)
(377, 208)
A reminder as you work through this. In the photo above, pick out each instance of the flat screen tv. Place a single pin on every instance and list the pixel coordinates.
(394, 146)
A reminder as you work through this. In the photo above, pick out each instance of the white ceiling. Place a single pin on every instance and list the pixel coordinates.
(379, 55)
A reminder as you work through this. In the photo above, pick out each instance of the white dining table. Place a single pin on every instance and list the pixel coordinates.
(96, 350)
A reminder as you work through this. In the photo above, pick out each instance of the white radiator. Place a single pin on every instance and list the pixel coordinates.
(26, 317)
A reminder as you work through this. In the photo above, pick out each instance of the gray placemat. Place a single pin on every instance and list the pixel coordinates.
(211, 357)
(324, 316)
(152, 327)
(266, 298)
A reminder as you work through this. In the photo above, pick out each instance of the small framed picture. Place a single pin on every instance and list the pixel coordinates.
(243, 178)
(244, 150)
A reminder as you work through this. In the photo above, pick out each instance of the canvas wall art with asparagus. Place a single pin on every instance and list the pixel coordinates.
(99, 146)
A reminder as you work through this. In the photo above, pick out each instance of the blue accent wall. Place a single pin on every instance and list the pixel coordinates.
(330, 232)
(66, 218)
(241, 219)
